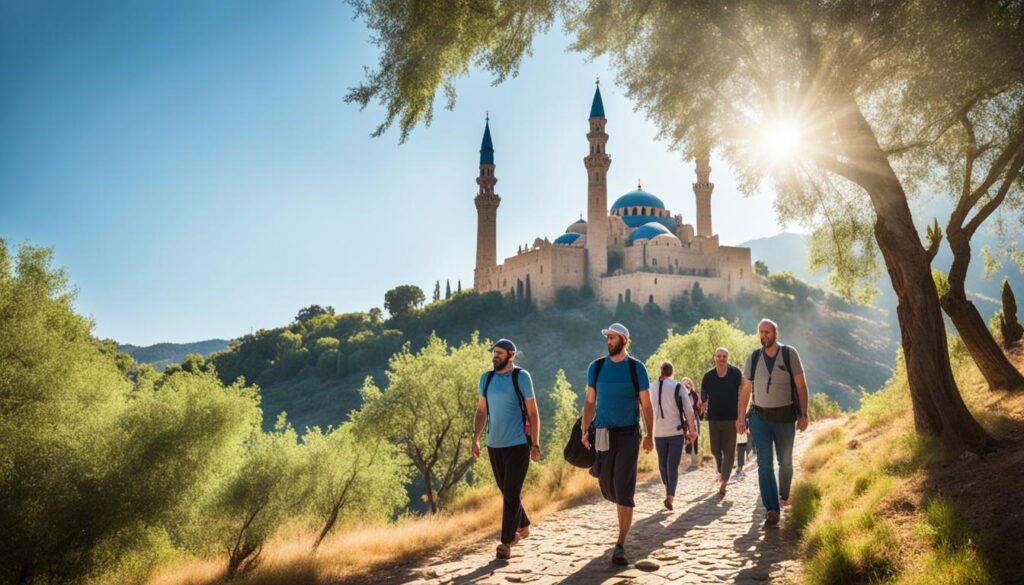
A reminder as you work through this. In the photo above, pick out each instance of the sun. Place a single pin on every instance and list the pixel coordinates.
(781, 141)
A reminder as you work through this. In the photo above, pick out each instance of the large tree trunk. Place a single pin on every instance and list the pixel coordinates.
(938, 406)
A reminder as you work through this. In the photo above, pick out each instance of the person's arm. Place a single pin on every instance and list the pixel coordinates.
(801, 394)
(648, 411)
(741, 410)
(589, 409)
(534, 415)
(478, 424)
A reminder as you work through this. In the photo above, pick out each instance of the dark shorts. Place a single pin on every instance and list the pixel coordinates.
(616, 468)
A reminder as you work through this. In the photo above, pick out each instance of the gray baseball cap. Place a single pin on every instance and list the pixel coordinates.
(618, 328)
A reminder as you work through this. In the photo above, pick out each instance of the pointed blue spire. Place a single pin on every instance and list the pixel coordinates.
(597, 108)
(486, 147)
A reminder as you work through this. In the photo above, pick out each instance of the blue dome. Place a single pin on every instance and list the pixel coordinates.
(638, 198)
(648, 231)
(567, 239)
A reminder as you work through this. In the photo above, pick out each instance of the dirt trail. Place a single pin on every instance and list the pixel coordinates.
(704, 540)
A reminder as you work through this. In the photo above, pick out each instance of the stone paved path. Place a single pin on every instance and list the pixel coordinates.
(704, 540)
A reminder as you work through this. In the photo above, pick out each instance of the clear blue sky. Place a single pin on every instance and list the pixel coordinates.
(196, 170)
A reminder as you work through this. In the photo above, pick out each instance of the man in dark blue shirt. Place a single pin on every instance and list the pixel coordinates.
(617, 388)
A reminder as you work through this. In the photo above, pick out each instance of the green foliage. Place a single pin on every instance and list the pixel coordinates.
(692, 354)
(760, 268)
(806, 501)
(401, 300)
(566, 408)
(79, 437)
(259, 496)
(941, 282)
(427, 409)
(353, 477)
(819, 407)
(312, 311)
(1009, 327)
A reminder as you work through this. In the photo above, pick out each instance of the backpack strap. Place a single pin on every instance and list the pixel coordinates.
(679, 401)
(487, 403)
(598, 364)
(522, 401)
(792, 376)
(754, 357)
(636, 385)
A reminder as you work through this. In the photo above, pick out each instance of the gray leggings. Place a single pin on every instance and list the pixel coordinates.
(723, 445)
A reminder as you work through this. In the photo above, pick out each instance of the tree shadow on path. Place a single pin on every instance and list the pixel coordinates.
(643, 539)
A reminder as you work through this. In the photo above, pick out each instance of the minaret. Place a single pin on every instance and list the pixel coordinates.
(487, 202)
(702, 191)
(597, 163)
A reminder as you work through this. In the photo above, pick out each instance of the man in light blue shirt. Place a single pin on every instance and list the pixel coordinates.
(508, 407)
(617, 389)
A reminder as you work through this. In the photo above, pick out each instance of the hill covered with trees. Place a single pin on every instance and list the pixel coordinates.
(313, 368)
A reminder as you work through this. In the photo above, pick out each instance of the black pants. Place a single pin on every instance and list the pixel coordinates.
(616, 467)
(509, 465)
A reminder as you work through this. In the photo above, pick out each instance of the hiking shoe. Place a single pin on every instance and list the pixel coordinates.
(771, 518)
(504, 551)
(619, 555)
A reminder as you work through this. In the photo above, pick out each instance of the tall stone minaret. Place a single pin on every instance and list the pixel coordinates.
(597, 163)
(487, 202)
(702, 190)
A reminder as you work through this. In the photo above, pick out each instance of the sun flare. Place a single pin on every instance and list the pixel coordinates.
(781, 141)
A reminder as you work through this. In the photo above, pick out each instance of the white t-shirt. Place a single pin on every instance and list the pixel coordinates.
(667, 422)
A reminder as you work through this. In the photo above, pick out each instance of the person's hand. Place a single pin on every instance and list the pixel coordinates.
(801, 423)
(691, 436)
(586, 440)
(741, 426)
(476, 449)
(648, 444)
(535, 453)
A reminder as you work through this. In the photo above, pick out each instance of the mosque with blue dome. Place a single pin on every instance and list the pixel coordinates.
(636, 251)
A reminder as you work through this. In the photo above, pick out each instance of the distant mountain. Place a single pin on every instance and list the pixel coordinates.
(162, 355)
(787, 252)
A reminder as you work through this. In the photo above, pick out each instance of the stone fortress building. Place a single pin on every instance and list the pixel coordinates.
(638, 251)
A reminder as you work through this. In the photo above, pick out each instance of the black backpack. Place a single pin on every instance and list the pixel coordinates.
(519, 394)
(795, 406)
(575, 453)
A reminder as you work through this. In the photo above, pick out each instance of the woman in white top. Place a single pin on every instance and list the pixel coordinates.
(673, 422)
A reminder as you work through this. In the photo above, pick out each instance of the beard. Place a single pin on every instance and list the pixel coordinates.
(617, 348)
(499, 364)
(767, 344)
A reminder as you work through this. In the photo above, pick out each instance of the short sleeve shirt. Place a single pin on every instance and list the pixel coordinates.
(722, 393)
(504, 415)
(772, 389)
(616, 399)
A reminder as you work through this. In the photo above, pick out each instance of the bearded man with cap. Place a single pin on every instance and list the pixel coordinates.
(618, 388)
(509, 408)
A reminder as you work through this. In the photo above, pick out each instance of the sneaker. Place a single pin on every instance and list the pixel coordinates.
(771, 518)
(504, 551)
(619, 555)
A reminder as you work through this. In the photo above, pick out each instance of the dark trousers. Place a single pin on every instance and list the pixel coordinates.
(723, 444)
(509, 465)
(741, 453)
(670, 451)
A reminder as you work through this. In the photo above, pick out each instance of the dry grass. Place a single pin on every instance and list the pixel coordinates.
(358, 550)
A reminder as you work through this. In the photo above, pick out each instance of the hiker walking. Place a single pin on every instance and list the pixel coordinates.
(508, 406)
(617, 388)
(692, 447)
(673, 426)
(743, 446)
(779, 393)
(719, 394)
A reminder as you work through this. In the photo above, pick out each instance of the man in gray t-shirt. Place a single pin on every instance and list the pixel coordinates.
(773, 377)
